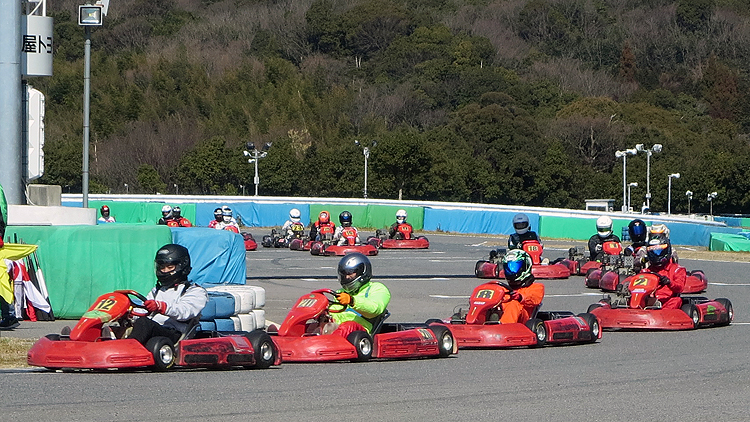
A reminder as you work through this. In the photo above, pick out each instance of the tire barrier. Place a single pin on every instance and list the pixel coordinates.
(234, 308)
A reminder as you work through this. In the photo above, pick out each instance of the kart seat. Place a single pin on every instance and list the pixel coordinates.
(377, 322)
(192, 329)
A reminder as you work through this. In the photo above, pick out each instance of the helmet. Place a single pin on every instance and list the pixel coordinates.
(401, 216)
(659, 230)
(176, 255)
(659, 252)
(603, 226)
(105, 211)
(517, 268)
(345, 218)
(226, 213)
(354, 263)
(521, 223)
(324, 217)
(166, 210)
(176, 211)
(637, 230)
(294, 215)
(217, 214)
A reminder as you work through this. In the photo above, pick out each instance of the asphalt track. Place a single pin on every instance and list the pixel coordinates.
(626, 376)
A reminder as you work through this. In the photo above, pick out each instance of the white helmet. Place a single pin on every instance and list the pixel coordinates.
(658, 230)
(604, 226)
(521, 223)
(166, 210)
(295, 215)
(401, 216)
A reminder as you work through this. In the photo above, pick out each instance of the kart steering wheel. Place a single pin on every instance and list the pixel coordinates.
(332, 300)
(132, 293)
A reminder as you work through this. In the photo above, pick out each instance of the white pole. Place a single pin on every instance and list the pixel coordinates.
(86, 102)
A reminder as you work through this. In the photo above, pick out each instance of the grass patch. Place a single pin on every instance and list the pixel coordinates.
(13, 351)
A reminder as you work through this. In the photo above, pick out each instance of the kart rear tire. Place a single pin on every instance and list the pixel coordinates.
(264, 349)
(727, 304)
(445, 340)
(162, 349)
(433, 320)
(595, 329)
(692, 312)
(362, 342)
(537, 327)
(593, 306)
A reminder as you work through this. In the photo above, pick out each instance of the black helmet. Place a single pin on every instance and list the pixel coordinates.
(176, 255)
(105, 211)
(637, 231)
(218, 215)
(517, 268)
(176, 212)
(345, 218)
(659, 252)
(354, 263)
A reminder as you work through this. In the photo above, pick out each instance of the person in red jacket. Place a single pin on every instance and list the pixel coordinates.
(181, 221)
(671, 275)
(525, 296)
(324, 226)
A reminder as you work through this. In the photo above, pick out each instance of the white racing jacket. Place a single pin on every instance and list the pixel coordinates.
(184, 301)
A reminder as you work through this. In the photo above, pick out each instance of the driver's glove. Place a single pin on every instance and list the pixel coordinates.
(156, 306)
(664, 280)
(516, 296)
(344, 298)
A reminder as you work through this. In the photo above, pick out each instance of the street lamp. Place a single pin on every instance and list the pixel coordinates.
(624, 154)
(711, 197)
(127, 190)
(257, 155)
(631, 185)
(366, 152)
(649, 153)
(176, 189)
(669, 193)
(243, 189)
(689, 195)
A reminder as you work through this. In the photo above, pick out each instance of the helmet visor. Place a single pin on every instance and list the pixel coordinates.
(639, 230)
(658, 250)
(520, 225)
(164, 267)
(512, 268)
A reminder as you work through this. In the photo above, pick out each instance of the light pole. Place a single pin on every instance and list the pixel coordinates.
(711, 197)
(366, 152)
(631, 185)
(669, 193)
(624, 154)
(257, 155)
(649, 153)
(689, 195)
(127, 190)
(243, 189)
(176, 189)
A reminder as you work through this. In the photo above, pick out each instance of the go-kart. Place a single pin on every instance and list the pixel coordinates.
(578, 259)
(493, 269)
(615, 270)
(328, 248)
(479, 327)
(283, 240)
(308, 335)
(635, 307)
(404, 240)
(250, 243)
(325, 234)
(99, 341)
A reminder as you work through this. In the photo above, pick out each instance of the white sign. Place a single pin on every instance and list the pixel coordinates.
(36, 45)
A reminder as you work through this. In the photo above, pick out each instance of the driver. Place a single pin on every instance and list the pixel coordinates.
(365, 300)
(174, 302)
(638, 235)
(218, 219)
(523, 232)
(346, 231)
(603, 234)
(324, 222)
(525, 295)
(400, 229)
(294, 219)
(166, 216)
(671, 275)
(181, 221)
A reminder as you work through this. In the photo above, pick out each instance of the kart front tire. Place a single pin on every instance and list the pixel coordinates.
(362, 342)
(162, 349)
(445, 340)
(692, 312)
(727, 304)
(539, 329)
(264, 349)
(595, 329)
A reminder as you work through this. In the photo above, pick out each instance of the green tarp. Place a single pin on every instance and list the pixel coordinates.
(729, 242)
(574, 228)
(82, 262)
(140, 212)
(372, 216)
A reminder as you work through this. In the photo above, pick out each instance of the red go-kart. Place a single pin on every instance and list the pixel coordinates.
(404, 239)
(325, 234)
(479, 327)
(578, 262)
(615, 269)
(636, 308)
(250, 243)
(308, 335)
(326, 248)
(99, 341)
(493, 269)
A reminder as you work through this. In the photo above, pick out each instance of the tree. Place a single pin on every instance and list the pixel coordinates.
(149, 180)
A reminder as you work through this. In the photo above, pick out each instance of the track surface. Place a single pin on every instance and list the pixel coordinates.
(626, 376)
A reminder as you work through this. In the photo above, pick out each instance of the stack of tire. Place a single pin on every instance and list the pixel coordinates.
(234, 307)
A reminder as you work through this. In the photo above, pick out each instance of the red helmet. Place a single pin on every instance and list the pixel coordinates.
(324, 217)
